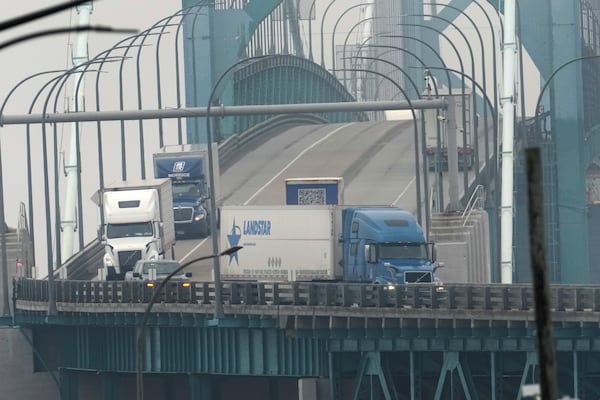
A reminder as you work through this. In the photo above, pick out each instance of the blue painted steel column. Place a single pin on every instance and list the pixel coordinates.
(552, 37)
(530, 365)
(451, 364)
(68, 384)
(568, 131)
(214, 40)
(201, 387)
(111, 389)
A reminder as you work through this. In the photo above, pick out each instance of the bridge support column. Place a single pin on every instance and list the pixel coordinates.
(415, 376)
(496, 374)
(334, 377)
(528, 371)
(370, 365)
(111, 388)
(69, 387)
(201, 387)
(451, 364)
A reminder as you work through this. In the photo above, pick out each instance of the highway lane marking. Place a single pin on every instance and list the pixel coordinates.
(303, 152)
(404, 191)
(312, 146)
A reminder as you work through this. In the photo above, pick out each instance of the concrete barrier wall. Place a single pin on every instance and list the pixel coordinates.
(17, 377)
(463, 245)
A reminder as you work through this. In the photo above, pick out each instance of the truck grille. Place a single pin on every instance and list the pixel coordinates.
(183, 214)
(128, 258)
(417, 277)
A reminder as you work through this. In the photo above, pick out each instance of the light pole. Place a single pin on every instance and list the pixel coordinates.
(211, 174)
(452, 146)
(416, 133)
(310, 13)
(423, 138)
(322, 35)
(438, 173)
(483, 75)
(549, 80)
(333, 55)
(28, 144)
(494, 62)
(142, 329)
(348, 37)
(485, 97)
(473, 96)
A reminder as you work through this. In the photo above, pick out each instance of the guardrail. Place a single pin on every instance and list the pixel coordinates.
(477, 201)
(497, 297)
(84, 264)
(234, 146)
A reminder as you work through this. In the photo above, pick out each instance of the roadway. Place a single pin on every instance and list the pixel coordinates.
(376, 160)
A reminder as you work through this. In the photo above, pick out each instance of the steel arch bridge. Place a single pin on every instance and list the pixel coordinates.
(552, 32)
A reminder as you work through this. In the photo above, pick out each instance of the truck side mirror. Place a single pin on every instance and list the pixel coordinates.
(433, 253)
(371, 253)
(137, 275)
(101, 236)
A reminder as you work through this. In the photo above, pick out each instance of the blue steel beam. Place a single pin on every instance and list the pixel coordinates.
(260, 9)
(553, 36)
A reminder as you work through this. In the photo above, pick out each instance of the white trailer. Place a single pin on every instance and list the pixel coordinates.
(138, 223)
(281, 243)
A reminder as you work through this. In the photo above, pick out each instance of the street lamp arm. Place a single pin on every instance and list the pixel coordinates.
(211, 178)
(333, 55)
(430, 47)
(539, 99)
(410, 53)
(486, 98)
(416, 130)
(322, 34)
(142, 331)
(395, 66)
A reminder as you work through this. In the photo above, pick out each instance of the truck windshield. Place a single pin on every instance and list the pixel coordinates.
(403, 251)
(186, 189)
(114, 231)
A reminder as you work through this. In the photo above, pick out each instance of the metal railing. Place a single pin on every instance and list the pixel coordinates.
(31, 294)
(476, 201)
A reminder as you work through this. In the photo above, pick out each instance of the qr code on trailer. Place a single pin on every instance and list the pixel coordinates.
(311, 197)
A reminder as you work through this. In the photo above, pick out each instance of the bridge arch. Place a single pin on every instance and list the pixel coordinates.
(287, 79)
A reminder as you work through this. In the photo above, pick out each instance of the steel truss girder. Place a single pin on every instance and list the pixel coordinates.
(371, 365)
(451, 364)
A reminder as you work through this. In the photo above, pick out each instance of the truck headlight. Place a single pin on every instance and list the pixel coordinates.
(199, 217)
(439, 286)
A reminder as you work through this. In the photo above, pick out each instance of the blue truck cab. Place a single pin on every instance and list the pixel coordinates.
(385, 246)
(187, 167)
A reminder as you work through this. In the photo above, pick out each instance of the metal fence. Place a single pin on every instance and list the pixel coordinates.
(489, 297)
